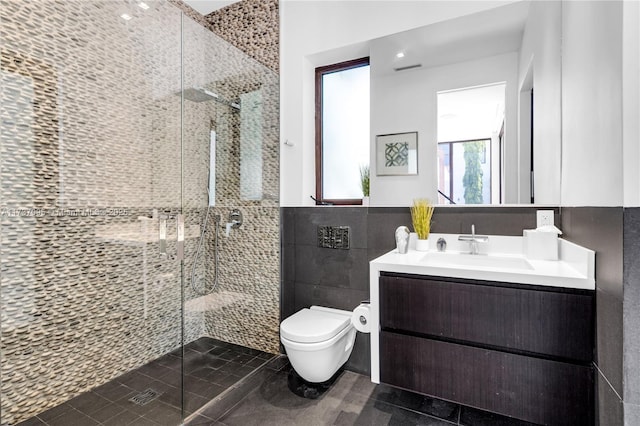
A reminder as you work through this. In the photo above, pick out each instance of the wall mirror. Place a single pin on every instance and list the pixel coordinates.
(430, 79)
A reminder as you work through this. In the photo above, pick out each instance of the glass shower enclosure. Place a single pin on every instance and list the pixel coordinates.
(118, 118)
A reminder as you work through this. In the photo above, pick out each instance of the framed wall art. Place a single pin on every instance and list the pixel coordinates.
(397, 154)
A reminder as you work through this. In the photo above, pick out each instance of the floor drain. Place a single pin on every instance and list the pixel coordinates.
(145, 397)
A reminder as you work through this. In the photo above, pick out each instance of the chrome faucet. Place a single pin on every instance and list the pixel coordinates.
(473, 239)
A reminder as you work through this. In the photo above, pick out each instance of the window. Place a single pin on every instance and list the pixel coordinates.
(464, 172)
(470, 125)
(342, 131)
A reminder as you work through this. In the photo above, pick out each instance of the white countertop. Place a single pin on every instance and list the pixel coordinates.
(574, 269)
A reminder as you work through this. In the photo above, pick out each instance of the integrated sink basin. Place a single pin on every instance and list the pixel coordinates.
(501, 259)
(476, 261)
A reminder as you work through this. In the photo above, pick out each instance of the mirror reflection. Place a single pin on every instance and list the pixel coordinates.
(467, 87)
(470, 142)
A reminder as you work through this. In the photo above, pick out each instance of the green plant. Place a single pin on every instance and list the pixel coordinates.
(421, 213)
(472, 179)
(364, 180)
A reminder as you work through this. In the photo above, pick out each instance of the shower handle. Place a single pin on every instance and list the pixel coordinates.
(162, 235)
(180, 236)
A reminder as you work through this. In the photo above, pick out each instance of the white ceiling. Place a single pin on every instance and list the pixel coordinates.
(482, 34)
(205, 7)
(471, 113)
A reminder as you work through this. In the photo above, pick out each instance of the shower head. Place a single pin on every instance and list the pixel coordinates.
(198, 94)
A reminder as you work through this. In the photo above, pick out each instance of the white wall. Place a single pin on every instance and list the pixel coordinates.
(631, 102)
(541, 49)
(592, 173)
(406, 101)
(309, 31)
(600, 57)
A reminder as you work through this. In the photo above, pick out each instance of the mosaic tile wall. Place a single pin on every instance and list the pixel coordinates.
(90, 149)
(244, 308)
(253, 26)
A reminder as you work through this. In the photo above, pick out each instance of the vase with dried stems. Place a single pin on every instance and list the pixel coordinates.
(421, 213)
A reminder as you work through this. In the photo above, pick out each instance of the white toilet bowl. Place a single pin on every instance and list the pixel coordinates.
(318, 341)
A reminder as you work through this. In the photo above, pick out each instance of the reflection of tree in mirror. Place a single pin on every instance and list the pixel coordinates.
(472, 179)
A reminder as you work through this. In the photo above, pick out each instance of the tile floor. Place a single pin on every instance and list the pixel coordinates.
(210, 366)
(263, 398)
(233, 385)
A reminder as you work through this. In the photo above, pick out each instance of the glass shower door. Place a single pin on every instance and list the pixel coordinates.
(91, 198)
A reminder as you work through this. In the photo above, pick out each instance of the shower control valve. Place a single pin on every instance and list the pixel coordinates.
(235, 218)
(235, 221)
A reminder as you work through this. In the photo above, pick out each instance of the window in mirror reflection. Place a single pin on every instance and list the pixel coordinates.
(470, 121)
(464, 172)
(342, 131)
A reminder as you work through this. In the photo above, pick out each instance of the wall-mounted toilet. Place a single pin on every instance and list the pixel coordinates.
(318, 341)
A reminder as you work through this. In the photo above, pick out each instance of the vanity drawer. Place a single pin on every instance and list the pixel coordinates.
(532, 389)
(553, 323)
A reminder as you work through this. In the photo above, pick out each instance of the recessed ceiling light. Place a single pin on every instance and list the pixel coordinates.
(400, 55)
(126, 16)
(142, 5)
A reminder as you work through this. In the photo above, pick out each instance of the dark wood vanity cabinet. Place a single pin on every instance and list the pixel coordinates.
(519, 350)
